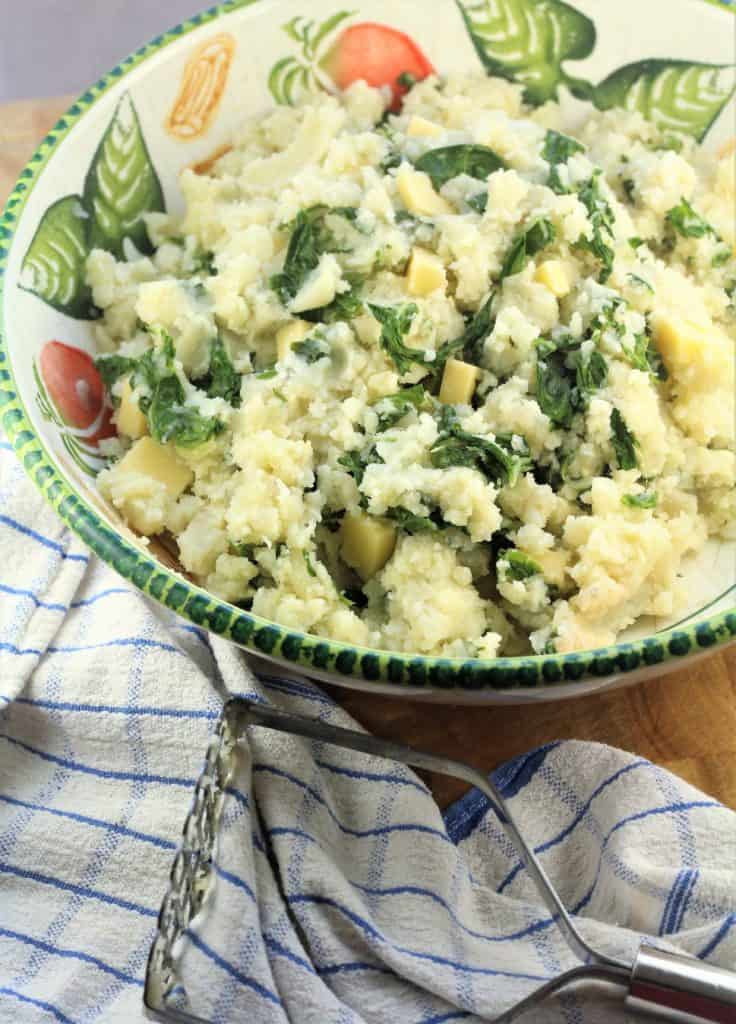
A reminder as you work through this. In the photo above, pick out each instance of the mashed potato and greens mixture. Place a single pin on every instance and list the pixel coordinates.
(452, 381)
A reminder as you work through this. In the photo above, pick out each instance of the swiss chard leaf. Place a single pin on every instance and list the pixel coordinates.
(222, 380)
(392, 408)
(309, 239)
(526, 244)
(556, 391)
(623, 441)
(121, 185)
(527, 41)
(591, 373)
(471, 341)
(677, 95)
(112, 368)
(496, 460)
(601, 219)
(687, 222)
(558, 149)
(646, 499)
(412, 523)
(395, 324)
(312, 348)
(515, 565)
(449, 161)
(169, 418)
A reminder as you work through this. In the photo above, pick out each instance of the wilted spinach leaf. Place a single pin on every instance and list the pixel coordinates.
(447, 162)
(479, 202)
(111, 368)
(591, 373)
(392, 408)
(515, 565)
(356, 462)
(312, 348)
(395, 324)
(558, 149)
(470, 342)
(644, 356)
(496, 460)
(527, 243)
(601, 219)
(345, 306)
(310, 238)
(222, 381)
(413, 523)
(623, 441)
(647, 499)
(688, 223)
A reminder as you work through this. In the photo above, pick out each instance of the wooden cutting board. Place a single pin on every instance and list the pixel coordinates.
(684, 721)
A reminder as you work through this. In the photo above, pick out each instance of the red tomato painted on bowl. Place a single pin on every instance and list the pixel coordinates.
(378, 54)
(76, 389)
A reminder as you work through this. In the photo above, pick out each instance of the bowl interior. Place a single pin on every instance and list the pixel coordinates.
(176, 104)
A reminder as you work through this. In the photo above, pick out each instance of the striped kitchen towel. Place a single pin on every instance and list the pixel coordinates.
(342, 893)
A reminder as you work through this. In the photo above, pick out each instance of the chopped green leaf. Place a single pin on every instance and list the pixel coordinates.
(558, 149)
(623, 441)
(591, 373)
(312, 348)
(395, 324)
(688, 223)
(203, 262)
(496, 459)
(527, 243)
(479, 202)
(555, 393)
(392, 408)
(356, 462)
(267, 372)
(640, 281)
(222, 380)
(644, 356)
(635, 242)
(601, 219)
(515, 565)
(448, 162)
(344, 307)
(471, 341)
(629, 187)
(310, 238)
(413, 523)
(647, 499)
(308, 562)
(111, 368)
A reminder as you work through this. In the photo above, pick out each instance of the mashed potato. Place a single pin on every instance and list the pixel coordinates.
(453, 381)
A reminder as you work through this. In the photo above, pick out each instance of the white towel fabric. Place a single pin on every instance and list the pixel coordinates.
(342, 893)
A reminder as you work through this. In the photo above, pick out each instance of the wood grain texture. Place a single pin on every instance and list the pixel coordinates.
(684, 721)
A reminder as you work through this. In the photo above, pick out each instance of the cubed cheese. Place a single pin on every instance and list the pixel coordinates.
(418, 194)
(425, 273)
(458, 382)
(555, 275)
(367, 543)
(129, 419)
(160, 462)
(288, 335)
(420, 126)
(700, 351)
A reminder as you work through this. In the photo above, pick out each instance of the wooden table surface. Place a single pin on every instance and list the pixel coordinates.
(684, 721)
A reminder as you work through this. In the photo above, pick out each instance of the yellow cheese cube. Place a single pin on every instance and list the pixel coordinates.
(553, 565)
(129, 419)
(555, 275)
(418, 194)
(425, 273)
(288, 335)
(160, 462)
(458, 382)
(367, 543)
(701, 350)
(420, 126)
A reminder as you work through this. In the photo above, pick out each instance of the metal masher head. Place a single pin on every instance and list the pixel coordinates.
(671, 987)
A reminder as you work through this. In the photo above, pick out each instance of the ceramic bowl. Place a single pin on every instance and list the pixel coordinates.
(117, 153)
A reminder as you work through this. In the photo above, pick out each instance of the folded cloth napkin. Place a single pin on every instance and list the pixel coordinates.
(342, 893)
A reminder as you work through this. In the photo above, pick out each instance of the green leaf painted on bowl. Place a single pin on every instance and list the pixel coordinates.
(677, 95)
(53, 267)
(527, 41)
(292, 78)
(121, 185)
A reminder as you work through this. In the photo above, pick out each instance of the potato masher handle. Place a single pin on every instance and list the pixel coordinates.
(681, 988)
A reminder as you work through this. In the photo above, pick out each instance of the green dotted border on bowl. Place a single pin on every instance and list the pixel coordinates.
(258, 634)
